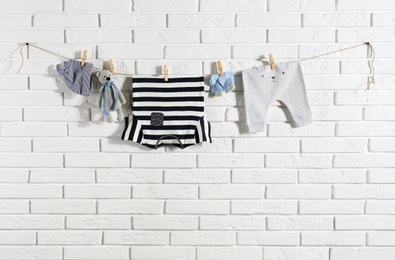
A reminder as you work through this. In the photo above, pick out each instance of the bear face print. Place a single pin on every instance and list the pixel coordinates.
(272, 77)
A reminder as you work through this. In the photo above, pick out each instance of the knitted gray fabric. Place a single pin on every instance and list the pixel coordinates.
(285, 83)
(76, 77)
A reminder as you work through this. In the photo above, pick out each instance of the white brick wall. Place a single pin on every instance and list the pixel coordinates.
(70, 189)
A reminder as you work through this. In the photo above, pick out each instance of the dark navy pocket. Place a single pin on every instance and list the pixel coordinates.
(156, 119)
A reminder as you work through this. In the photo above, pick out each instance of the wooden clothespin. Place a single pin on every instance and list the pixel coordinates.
(272, 65)
(111, 66)
(219, 65)
(84, 56)
(166, 72)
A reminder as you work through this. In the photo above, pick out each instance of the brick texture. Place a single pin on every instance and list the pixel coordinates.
(71, 189)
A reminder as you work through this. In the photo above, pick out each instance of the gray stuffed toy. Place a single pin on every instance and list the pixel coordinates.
(110, 97)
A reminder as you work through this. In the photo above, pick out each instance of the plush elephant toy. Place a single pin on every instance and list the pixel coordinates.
(110, 97)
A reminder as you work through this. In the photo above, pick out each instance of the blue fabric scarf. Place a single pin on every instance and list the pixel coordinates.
(107, 85)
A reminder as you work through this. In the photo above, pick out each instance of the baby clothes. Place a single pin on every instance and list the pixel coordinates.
(285, 83)
(167, 112)
(220, 85)
(76, 77)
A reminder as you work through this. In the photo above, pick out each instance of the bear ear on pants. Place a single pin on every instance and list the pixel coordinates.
(98, 73)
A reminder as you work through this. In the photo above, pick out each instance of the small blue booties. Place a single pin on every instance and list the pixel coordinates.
(220, 85)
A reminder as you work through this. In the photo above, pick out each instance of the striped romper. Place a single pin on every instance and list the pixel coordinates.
(167, 112)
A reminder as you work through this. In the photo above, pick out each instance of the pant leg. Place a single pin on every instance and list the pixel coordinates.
(257, 99)
(294, 97)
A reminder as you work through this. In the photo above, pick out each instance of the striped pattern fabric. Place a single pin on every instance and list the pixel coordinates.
(178, 103)
(76, 77)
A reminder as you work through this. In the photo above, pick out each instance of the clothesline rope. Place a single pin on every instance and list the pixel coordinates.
(372, 55)
(55, 54)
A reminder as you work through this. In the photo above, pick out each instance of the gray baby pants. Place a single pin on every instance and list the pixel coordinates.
(285, 83)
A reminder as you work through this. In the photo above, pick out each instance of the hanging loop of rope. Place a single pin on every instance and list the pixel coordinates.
(23, 58)
(372, 55)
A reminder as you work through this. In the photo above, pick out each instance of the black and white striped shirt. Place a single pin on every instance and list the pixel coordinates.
(167, 112)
